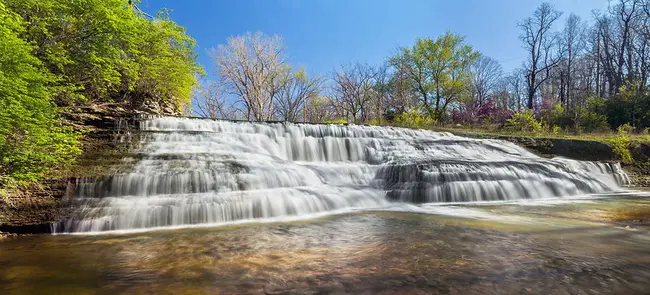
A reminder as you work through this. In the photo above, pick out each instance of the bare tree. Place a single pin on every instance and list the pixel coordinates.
(539, 41)
(294, 94)
(212, 102)
(516, 84)
(572, 44)
(353, 90)
(252, 67)
(485, 73)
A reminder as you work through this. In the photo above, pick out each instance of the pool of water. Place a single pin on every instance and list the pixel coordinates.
(589, 245)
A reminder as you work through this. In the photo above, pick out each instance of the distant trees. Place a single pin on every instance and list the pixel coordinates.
(539, 41)
(485, 73)
(353, 91)
(579, 77)
(438, 70)
(211, 101)
(252, 67)
(296, 91)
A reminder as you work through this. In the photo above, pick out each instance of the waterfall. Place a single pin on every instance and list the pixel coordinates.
(194, 171)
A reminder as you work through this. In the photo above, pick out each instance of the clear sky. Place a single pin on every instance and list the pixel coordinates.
(323, 34)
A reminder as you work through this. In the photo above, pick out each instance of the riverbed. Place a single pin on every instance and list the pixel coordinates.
(589, 245)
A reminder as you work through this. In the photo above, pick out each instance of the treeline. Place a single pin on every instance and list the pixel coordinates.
(588, 76)
(56, 55)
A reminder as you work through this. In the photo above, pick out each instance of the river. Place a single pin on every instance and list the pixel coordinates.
(592, 245)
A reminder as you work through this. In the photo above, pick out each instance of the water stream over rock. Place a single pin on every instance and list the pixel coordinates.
(200, 172)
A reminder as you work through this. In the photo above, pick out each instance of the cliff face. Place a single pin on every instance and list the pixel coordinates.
(104, 143)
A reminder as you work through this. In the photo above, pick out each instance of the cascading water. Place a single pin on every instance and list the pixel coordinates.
(194, 171)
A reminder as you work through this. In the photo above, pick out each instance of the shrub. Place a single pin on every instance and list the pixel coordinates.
(376, 122)
(487, 114)
(337, 121)
(593, 122)
(625, 129)
(525, 121)
(621, 145)
(556, 129)
(415, 119)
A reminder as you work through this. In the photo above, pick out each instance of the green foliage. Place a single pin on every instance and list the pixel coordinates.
(525, 122)
(621, 145)
(337, 121)
(593, 122)
(377, 122)
(56, 53)
(440, 70)
(416, 119)
(625, 129)
(31, 138)
(556, 129)
(102, 50)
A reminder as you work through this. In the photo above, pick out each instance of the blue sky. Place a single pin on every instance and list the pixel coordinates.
(321, 35)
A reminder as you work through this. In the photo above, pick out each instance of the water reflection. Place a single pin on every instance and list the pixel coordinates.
(363, 252)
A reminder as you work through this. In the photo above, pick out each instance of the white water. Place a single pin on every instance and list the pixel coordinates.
(196, 172)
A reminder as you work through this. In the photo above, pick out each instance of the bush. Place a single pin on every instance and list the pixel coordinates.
(486, 114)
(593, 122)
(525, 122)
(556, 129)
(625, 129)
(621, 145)
(337, 121)
(415, 119)
(377, 122)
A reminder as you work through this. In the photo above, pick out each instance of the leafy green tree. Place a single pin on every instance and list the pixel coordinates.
(103, 50)
(439, 70)
(59, 53)
(31, 138)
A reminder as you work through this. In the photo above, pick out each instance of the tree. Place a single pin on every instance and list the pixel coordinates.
(107, 50)
(486, 74)
(31, 139)
(294, 94)
(252, 67)
(516, 84)
(352, 90)
(573, 43)
(212, 101)
(539, 42)
(320, 109)
(439, 70)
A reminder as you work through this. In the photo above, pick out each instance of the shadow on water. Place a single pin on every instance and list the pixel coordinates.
(364, 252)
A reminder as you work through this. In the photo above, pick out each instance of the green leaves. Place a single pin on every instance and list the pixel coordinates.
(438, 69)
(100, 50)
(60, 53)
(31, 141)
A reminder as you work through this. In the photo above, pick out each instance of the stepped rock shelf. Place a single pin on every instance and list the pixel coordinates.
(196, 172)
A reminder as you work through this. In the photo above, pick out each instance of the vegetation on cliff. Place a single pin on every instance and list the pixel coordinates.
(56, 55)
